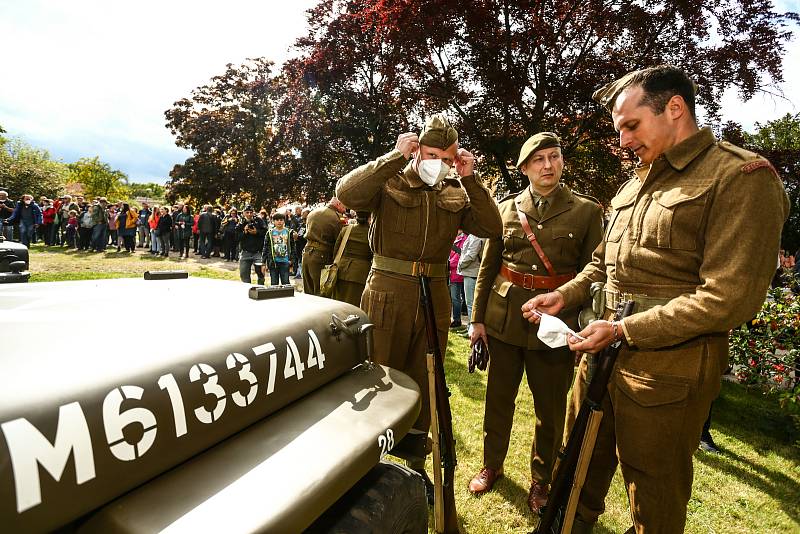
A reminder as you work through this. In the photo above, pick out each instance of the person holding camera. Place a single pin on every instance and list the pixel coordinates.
(251, 231)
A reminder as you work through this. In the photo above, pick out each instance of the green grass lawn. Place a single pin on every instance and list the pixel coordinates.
(754, 487)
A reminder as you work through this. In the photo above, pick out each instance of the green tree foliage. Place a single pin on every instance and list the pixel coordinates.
(779, 142)
(506, 69)
(147, 190)
(231, 126)
(26, 169)
(99, 179)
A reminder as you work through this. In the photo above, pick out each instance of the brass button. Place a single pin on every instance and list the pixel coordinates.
(539, 226)
(534, 267)
(570, 235)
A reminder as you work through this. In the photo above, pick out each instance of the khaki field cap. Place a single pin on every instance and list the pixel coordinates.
(438, 132)
(606, 95)
(536, 142)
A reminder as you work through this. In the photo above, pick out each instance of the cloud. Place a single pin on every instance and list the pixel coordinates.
(91, 77)
(87, 77)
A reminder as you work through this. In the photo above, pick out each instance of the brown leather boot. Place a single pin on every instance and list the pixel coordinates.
(484, 480)
(537, 496)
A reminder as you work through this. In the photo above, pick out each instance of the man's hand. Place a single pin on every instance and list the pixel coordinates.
(598, 335)
(465, 163)
(407, 143)
(550, 303)
(476, 331)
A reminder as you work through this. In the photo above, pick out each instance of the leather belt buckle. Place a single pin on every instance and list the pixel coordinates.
(418, 268)
(528, 285)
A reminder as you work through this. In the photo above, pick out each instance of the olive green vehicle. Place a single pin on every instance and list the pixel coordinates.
(195, 405)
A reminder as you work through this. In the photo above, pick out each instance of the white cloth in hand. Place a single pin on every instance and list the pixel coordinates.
(553, 331)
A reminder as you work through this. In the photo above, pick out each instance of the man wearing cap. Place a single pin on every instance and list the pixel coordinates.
(566, 227)
(323, 225)
(690, 245)
(416, 211)
(250, 233)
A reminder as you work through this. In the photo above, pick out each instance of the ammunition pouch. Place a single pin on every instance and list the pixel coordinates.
(589, 315)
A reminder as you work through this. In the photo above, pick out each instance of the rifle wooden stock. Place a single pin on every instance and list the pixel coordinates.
(559, 514)
(444, 420)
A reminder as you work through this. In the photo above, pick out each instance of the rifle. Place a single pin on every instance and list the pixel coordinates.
(570, 471)
(444, 446)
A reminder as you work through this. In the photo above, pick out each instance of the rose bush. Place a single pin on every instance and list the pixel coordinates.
(765, 353)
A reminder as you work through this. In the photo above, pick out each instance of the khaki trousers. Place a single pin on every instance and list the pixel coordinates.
(313, 262)
(653, 414)
(392, 302)
(549, 375)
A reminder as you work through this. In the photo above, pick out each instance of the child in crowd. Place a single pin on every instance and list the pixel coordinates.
(72, 229)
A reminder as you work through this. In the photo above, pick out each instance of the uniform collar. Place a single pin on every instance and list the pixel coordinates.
(560, 201)
(682, 154)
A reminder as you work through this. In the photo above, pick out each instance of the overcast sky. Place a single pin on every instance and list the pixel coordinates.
(85, 77)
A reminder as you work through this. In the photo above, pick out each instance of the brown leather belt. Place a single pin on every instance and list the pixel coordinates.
(530, 281)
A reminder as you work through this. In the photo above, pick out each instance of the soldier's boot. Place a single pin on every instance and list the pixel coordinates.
(579, 526)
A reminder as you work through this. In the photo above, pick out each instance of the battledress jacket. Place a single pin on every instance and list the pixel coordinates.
(568, 233)
(323, 229)
(700, 226)
(410, 220)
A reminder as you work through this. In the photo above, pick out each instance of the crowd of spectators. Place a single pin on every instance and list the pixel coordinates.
(258, 240)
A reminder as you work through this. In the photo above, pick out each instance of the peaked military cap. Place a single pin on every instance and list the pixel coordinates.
(536, 142)
(438, 132)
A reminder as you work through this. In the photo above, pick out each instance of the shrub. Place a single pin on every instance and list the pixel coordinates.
(765, 353)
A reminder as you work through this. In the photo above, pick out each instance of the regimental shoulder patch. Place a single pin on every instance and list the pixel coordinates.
(758, 164)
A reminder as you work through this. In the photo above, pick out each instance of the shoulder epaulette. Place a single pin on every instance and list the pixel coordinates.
(737, 151)
(587, 197)
(511, 195)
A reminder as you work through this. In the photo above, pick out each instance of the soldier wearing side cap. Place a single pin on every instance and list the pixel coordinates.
(416, 211)
(691, 247)
(566, 227)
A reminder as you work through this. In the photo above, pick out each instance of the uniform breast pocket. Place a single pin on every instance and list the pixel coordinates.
(566, 243)
(620, 218)
(449, 204)
(673, 218)
(402, 212)
(517, 248)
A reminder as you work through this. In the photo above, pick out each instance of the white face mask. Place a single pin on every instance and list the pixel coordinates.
(432, 171)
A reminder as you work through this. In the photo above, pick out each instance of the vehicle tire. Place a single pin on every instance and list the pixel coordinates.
(389, 499)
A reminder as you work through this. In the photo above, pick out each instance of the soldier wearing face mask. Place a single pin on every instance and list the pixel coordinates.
(416, 211)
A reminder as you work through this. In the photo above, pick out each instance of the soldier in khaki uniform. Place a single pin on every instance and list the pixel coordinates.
(416, 212)
(567, 227)
(355, 262)
(692, 240)
(323, 229)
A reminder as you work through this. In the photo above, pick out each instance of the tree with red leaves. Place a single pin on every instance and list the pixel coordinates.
(506, 69)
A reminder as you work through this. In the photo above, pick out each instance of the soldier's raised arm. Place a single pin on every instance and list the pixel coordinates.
(482, 217)
(359, 188)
